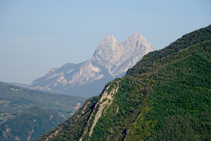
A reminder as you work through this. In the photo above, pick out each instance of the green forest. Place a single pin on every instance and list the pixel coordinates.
(29, 124)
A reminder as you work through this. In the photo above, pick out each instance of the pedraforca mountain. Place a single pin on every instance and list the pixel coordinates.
(110, 60)
(166, 96)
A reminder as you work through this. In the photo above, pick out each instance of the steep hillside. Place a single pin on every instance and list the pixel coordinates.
(110, 60)
(165, 96)
(29, 125)
(14, 99)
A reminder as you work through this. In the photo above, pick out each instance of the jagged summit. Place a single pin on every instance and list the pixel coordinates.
(113, 54)
(111, 59)
(109, 38)
(136, 36)
(112, 46)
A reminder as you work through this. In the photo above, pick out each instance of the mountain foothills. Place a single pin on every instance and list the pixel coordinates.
(165, 96)
(110, 60)
(14, 99)
(29, 125)
(22, 116)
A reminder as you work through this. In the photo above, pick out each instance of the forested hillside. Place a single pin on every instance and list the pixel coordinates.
(29, 124)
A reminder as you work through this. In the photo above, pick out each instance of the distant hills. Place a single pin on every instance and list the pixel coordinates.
(110, 60)
(165, 96)
(27, 114)
(14, 99)
(29, 125)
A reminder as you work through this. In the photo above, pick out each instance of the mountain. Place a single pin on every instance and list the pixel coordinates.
(110, 60)
(14, 99)
(29, 125)
(165, 96)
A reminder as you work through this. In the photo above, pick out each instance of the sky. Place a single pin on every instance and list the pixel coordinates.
(38, 35)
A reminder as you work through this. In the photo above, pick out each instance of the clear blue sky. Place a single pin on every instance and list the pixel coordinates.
(38, 35)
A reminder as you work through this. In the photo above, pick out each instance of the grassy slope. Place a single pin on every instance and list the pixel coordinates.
(14, 99)
(167, 92)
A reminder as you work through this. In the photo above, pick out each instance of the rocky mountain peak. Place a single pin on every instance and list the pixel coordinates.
(106, 46)
(136, 37)
(111, 59)
(109, 38)
(109, 41)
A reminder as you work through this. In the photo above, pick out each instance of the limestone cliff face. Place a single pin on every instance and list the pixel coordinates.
(110, 60)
